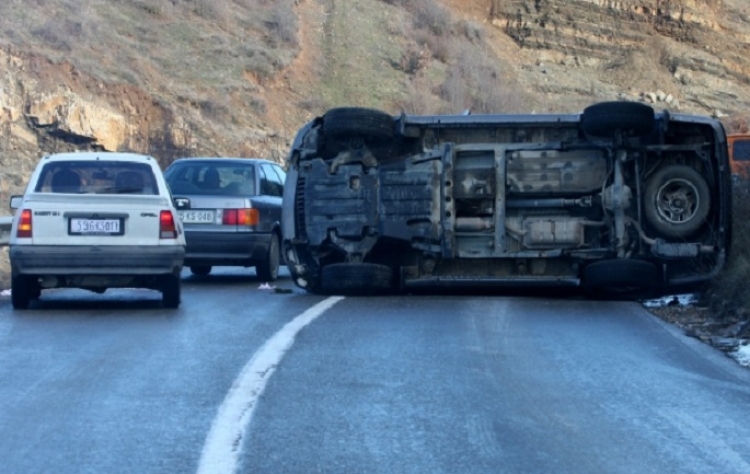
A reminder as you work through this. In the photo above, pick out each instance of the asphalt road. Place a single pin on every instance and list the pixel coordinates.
(436, 383)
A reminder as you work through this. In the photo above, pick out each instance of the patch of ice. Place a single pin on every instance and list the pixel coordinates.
(5, 293)
(742, 355)
(685, 299)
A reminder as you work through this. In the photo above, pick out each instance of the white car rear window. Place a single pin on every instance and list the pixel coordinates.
(97, 177)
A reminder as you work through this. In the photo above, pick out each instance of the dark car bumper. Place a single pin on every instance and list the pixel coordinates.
(214, 248)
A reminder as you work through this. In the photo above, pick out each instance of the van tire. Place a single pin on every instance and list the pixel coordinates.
(356, 121)
(677, 201)
(603, 119)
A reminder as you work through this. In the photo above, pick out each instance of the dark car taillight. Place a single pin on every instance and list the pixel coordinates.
(167, 229)
(24, 224)
(240, 217)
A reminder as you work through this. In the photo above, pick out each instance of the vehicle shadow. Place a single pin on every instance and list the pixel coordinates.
(233, 276)
(108, 303)
(549, 293)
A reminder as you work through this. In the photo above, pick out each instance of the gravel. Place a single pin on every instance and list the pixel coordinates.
(727, 333)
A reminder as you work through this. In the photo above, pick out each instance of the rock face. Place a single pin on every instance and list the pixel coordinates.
(683, 55)
(47, 107)
(696, 49)
(66, 114)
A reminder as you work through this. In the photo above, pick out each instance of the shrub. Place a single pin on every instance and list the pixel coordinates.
(727, 295)
(428, 15)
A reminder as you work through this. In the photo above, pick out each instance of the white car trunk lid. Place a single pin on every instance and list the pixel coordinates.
(107, 220)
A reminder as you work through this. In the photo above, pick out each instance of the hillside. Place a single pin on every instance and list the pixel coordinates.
(238, 77)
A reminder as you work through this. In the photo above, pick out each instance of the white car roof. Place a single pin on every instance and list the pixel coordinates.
(99, 155)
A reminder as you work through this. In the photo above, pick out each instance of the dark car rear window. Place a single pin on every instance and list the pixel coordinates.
(97, 177)
(224, 179)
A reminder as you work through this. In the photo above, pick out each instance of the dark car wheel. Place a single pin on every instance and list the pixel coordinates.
(170, 291)
(356, 278)
(268, 270)
(603, 119)
(677, 201)
(621, 279)
(23, 290)
(200, 270)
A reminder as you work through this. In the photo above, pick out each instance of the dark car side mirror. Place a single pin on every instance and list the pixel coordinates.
(181, 202)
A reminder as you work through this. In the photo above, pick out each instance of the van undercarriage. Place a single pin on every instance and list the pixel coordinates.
(618, 200)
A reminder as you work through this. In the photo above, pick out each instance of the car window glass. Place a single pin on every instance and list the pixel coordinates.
(274, 183)
(282, 175)
(207, 178)
(265, 188)
(97, 177)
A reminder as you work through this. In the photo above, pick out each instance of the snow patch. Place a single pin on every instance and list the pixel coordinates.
(742, 355)
(685, 299)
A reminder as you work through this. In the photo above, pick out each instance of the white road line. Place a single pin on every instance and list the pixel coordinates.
(223, 445)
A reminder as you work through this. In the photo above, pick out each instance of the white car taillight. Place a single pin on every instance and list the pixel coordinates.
(24, 224)
(167, 229)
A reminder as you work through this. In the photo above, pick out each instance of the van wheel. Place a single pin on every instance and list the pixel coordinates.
(677, 201)
(355, 128)
(621, 279)
(356, 278)
(268, 270)
(367, 123)
(170, 291)
(603, 119)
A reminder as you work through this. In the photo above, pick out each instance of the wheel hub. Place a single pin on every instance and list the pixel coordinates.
(677, 201)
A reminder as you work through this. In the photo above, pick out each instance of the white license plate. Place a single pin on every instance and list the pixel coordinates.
(95, 226)
(197, 217)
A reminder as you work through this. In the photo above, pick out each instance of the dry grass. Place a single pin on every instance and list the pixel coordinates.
(145, 42)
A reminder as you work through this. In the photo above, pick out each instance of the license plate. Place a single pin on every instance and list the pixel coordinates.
(79, 226)
(197, 217)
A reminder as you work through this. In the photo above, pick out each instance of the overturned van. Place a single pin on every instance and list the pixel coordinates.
(619, 200)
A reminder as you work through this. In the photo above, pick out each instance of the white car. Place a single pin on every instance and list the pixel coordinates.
(96, 220)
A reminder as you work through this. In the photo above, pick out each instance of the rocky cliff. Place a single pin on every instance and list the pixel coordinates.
(175, 78)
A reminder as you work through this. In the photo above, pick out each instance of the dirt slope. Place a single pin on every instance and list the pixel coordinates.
(238, 77)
